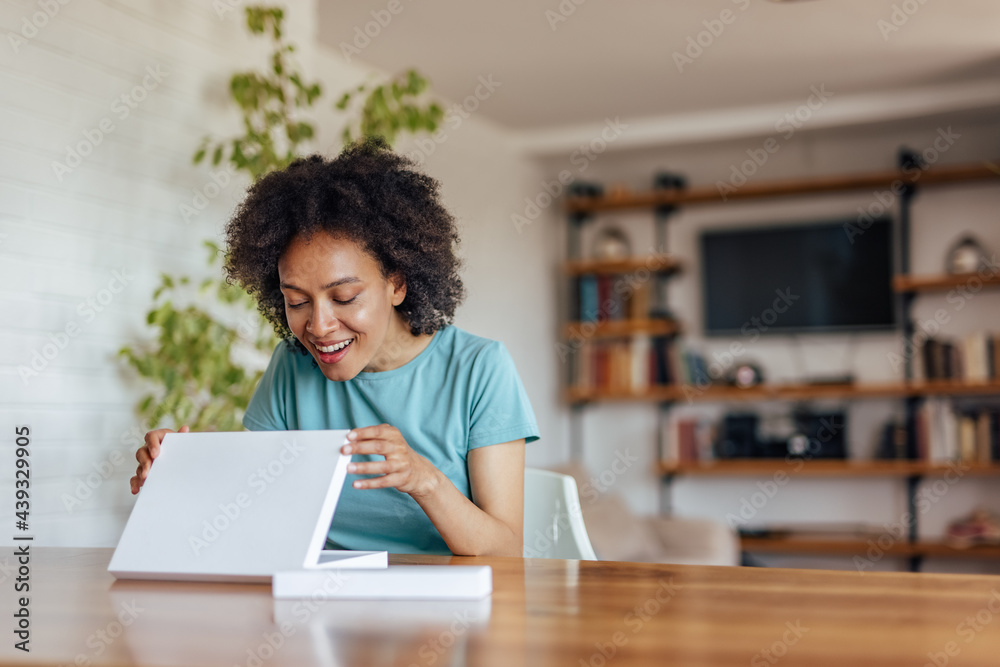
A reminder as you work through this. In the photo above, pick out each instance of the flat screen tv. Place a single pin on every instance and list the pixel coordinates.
(798, 278)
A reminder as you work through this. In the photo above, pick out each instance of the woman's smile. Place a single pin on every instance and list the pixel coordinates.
(331, 353)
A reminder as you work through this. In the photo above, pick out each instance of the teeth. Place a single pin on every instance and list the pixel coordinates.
(334, 348)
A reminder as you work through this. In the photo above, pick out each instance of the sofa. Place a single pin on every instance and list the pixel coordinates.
(617, 534)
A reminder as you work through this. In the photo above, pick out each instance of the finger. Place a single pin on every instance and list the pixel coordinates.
(372, 468)
(132, 485)
(375, 447)
(384, 482)
(184, 429)
(369, 432)
(153, 440)
(142, 456)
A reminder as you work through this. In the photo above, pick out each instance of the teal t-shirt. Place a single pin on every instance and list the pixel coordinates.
(461, 392)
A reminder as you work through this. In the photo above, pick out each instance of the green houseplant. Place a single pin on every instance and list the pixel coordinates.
(193, 362)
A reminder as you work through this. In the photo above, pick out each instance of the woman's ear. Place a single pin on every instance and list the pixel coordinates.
(398, 288)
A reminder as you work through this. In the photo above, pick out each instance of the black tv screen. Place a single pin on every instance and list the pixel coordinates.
(823, 276)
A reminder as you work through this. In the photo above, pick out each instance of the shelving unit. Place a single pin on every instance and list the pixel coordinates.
(665, 202)
(858, 547)
(821, 468)
(617, 329)
(793, 392)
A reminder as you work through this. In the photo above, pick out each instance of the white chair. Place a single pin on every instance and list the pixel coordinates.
(553, 523)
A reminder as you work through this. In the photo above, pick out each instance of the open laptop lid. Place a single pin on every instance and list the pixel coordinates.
(233, 506)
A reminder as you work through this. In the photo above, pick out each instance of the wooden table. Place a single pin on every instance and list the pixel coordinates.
(542, 612)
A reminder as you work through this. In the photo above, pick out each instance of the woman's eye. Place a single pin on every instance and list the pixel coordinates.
(296, 305)
(344, 303)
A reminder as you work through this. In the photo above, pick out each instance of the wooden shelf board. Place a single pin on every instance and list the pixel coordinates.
(830, 546)
(851, 546)
(711, 194)
(577, 395)
(619, 328)
(824, 468)
(660, 264)
(930, 548)
(693, 393)
(942, 283)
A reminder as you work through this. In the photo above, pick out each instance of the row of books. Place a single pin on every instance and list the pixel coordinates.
(687, 439)
(633, 364)
(610, 298)
(941, 432)
(974, 358)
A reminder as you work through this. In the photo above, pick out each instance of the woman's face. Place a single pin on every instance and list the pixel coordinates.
(338, 304)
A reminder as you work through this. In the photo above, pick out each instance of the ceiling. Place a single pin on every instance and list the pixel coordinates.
(596, 60)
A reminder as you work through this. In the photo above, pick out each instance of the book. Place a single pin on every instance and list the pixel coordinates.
(983, 444)
(588, 298)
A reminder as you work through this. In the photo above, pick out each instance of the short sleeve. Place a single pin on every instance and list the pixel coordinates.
(500, 410)
(266, 412)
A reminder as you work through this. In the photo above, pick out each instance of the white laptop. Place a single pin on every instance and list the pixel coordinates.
(238, 507)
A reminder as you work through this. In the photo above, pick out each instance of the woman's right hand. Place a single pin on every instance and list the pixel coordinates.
(149, 451)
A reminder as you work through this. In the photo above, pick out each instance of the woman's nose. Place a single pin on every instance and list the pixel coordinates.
(323, 321)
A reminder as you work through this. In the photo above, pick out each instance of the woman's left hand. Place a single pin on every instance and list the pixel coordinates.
(402, 469)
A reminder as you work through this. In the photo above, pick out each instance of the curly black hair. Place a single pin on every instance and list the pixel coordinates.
(368, 194)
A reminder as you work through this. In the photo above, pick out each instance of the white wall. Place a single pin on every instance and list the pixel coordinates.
(61, 241)
(117, 211)
(939, 216)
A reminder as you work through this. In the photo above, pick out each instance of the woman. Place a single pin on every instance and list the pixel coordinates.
(352, 260)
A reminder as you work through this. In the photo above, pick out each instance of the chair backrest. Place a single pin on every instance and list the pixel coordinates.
(553, 523)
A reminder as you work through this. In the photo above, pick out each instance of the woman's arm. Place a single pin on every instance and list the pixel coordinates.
(492, 525)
